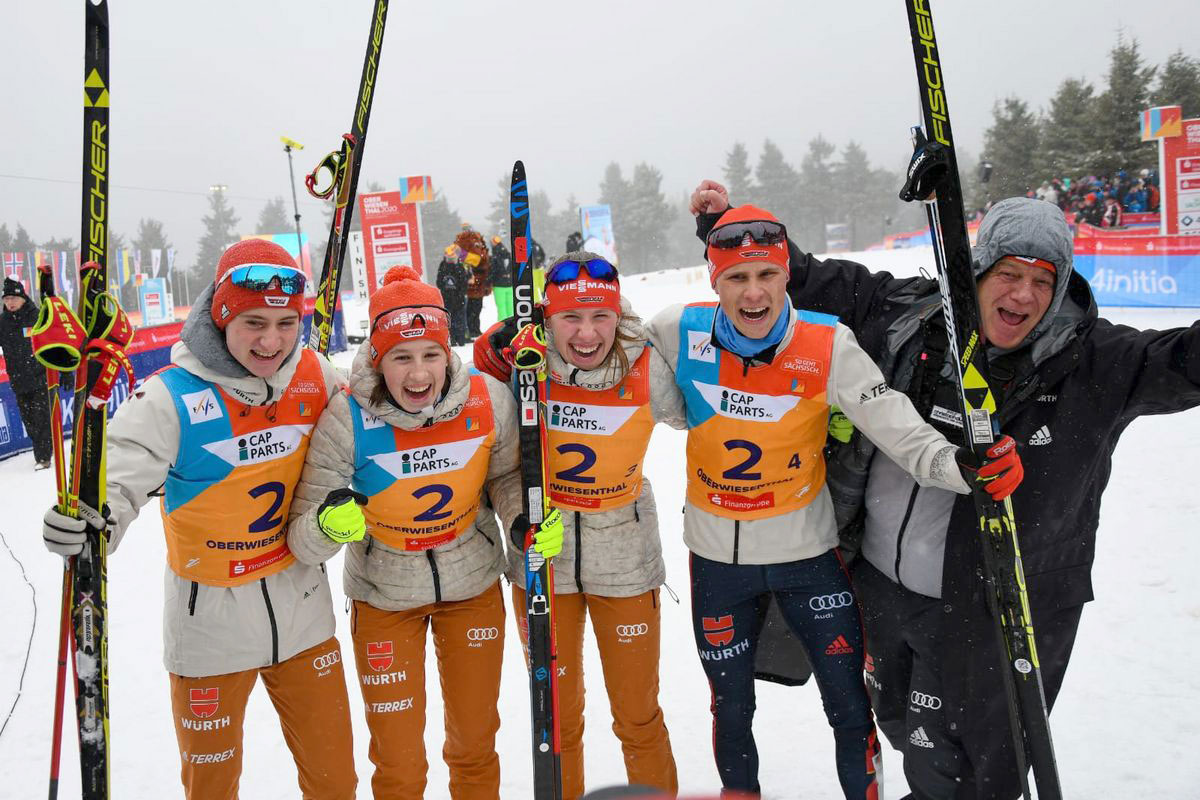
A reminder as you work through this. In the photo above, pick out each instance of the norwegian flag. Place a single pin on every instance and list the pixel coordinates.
(14, 266)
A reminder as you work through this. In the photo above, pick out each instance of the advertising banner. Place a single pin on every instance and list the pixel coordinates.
(1141, 270)
(154, 301)
(390, 229)
(595, 223)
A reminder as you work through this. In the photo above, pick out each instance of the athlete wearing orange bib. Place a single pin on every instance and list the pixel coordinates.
(755, 380)
(416, 437)
(602, 403)
(224, 432)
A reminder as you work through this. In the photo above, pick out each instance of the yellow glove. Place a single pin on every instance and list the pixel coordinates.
(341, 518)
(548, 541)
(840, 426)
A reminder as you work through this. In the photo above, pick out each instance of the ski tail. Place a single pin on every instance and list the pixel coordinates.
(343, 168)
(1007, 597)
(530, 385)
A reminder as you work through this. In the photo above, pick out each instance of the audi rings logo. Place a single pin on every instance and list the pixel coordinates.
(922, 700)
(326, 661)
(632, 630)
(828, 602)
(483, 634)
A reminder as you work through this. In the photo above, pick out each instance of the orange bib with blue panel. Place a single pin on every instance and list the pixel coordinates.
(423, 485)
(226, 499)
(597, 441)
(755, 436)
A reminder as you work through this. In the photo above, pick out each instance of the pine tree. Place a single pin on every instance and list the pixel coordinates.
(1069, 132)
(814, 195)
(440, 223)
(274, 218)
(778, 184)
(1011, 144)
(863, 196)
(739, 178)
(498, 215)
(219, 232)
(1179, 84)
(22, 242)
(1118, 112)
(6, 238)
(646, 215)
(614, 191)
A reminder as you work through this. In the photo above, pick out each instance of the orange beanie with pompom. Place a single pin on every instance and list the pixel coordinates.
(229, 300)
(406, 308)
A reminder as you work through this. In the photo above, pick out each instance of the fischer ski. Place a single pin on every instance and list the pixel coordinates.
(529, 376)
(934, 168)
(343, 167)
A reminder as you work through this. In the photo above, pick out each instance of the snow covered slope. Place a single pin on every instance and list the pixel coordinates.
(1124, 727)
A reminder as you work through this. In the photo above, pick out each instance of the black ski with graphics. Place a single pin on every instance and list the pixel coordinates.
(529, 379)
(935, 169)
(343, 167)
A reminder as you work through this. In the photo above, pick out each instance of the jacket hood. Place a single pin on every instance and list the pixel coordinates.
(201, 351)
(1023, 226)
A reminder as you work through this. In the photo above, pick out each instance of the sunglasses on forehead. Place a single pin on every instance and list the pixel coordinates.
(259, 277)
(597, 268)
(759, 231)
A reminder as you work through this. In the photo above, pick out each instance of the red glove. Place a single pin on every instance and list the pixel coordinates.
(489, 350)
(1001, 471)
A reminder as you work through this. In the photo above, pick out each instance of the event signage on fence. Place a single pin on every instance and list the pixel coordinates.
(390, 235)
(1156, 271)
(596, 226)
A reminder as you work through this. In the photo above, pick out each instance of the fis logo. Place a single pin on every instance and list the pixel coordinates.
(201, 406)
(718, 631)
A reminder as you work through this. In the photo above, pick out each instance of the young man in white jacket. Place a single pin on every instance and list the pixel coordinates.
(221, 435)
(756, 380)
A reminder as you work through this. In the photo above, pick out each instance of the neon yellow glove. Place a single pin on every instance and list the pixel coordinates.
(840, 426)
(548, 541)
(340, 516)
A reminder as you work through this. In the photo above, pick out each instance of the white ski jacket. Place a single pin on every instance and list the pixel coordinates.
(210, 630)
(854, 384)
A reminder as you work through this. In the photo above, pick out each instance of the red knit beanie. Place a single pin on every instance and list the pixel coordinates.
(230, 300)
(722, 258)
(406, 308)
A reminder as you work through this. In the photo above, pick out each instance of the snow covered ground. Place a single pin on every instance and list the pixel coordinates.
(1124, 727)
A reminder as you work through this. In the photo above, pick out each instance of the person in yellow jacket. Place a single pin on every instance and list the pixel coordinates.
(221, 434)
(601, 407)
(417, 437)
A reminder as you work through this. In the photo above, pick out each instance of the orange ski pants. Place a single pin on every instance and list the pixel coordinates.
(627, 631)
(309, 692)
(389, 649)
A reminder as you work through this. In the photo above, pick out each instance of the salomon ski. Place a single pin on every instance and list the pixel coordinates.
(529, 376)
(934, 179)
(343, 166)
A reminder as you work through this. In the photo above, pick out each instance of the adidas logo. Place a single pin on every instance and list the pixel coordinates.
(839, 647)
(1041, 436)
(919, 739)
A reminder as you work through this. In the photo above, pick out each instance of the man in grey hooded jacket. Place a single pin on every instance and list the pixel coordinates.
(1070, 384)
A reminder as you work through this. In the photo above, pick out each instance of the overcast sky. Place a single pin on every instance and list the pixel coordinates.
(202, 91)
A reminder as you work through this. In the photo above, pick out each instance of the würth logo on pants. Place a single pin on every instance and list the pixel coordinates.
(718, 631)
(204, 702)
(379, 655)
